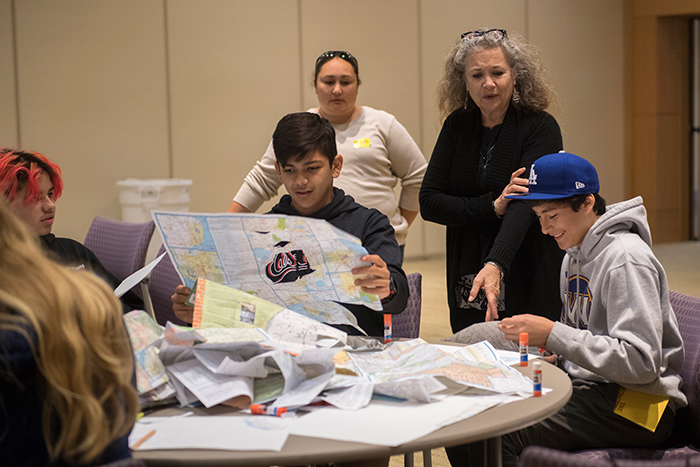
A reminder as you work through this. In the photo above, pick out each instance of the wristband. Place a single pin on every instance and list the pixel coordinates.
(392, 291)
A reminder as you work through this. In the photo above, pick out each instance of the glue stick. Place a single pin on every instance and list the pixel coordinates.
(262, 409)
(537, 378)
(524, 341)
(387, 328)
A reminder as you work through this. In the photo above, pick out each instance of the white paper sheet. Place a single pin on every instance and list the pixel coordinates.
(129, 283)
(210, 388)
(255, 432)
(389, 423)
(350, 398)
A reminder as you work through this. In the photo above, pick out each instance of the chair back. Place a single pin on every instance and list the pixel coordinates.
(538, 456)
(120, 246)
(407, 323)
(161, 285)
(687, 309)
(130, 462)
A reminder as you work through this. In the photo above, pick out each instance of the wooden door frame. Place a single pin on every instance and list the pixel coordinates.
(657, 113)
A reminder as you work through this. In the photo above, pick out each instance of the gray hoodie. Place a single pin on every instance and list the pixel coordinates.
(617, 324)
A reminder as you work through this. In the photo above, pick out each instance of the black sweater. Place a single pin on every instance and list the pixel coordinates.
(377, 236)
(74, 254)
(451, 195)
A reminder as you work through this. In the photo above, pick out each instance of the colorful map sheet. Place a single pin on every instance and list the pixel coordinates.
(300, 263)
(144, 332)
(401, 370)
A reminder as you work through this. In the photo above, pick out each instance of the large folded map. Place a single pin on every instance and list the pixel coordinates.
(300, 263)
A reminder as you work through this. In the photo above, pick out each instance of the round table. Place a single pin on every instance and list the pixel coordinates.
(487, 426)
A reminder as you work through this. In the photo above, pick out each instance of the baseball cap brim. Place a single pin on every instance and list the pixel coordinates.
(538, 196)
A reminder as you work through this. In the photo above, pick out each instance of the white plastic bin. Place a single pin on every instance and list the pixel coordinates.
(138, 197)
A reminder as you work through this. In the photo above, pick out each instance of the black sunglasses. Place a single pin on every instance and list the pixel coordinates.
(336, 53)
(497, 34)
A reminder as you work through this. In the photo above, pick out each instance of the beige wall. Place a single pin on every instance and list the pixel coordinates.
(177, 88)
(8, 96)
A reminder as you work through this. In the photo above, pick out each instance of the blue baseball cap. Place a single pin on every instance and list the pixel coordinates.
(560, 175)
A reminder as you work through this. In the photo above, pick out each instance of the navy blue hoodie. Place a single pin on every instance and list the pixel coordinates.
(377, 236)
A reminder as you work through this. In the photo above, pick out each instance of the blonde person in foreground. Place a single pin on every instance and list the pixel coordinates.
(65, 360)
(377, 150)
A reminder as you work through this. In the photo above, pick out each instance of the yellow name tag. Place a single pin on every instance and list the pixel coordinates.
(643, 409)
(361, 143)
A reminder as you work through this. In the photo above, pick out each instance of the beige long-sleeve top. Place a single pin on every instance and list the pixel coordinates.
(377, 151)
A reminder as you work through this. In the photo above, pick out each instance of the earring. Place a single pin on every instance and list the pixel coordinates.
(466, 99)
(516, 96)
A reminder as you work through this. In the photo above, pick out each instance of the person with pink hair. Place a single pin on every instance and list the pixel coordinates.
(32, 183)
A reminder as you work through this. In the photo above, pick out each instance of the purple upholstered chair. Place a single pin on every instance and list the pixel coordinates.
(407, 323)
(684, 446)
(538, 456)
(161, 285)
(120, 246)
(687, 310)
(131, 462)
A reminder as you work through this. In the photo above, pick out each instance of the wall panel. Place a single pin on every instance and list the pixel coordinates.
(442, 23)
(155, 88)
(8, 97)
(234, 72)
(582, 44)
(384, 37)
(92, 97)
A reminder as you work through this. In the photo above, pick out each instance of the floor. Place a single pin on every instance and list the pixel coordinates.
(680, 260)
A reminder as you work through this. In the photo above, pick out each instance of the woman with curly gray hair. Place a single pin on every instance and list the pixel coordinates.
(494, 94)
(531, 90)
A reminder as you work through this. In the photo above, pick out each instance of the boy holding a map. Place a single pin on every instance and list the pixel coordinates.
(617, 336)
(307, 163)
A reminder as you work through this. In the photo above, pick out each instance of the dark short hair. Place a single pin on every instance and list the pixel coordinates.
(330, 55)
(574, 202)
(299, 134)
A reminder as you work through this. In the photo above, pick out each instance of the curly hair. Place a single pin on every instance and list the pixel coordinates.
(73, 323)
(525, 63)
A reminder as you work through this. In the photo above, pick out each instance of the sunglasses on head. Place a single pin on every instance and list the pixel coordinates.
(336, 53)
(497, 34)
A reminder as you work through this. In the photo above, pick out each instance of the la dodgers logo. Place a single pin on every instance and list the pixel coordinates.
(533, 176)
(576, 309)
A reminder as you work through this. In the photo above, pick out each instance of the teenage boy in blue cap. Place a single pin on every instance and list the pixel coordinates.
(307, 163)
(617, 330)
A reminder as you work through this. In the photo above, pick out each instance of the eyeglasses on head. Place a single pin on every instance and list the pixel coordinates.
(497, 34)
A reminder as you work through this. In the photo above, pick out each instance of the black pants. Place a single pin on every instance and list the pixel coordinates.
(587, 421)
